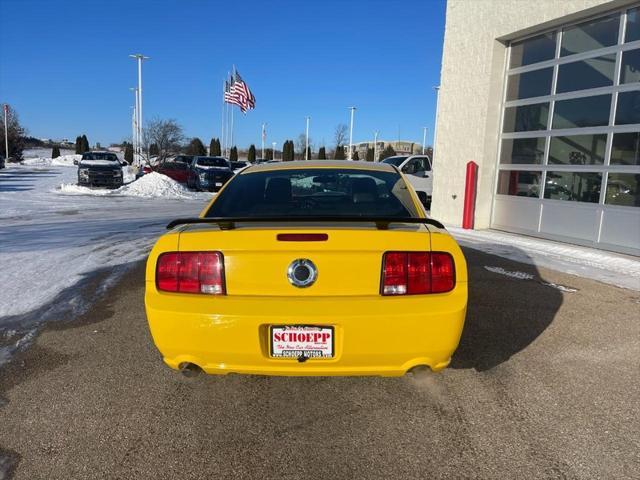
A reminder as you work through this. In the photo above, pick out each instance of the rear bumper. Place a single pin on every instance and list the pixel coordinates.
(373, 335)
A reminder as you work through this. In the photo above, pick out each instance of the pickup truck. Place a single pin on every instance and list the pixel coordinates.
(103, 169)
(418, 170)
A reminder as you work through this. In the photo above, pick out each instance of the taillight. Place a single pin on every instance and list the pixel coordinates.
(411, 273)
(191, 272)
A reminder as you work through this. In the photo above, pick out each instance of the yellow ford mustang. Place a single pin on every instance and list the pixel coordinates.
(308, 268)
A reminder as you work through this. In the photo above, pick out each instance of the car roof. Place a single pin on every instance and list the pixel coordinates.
(337, 164)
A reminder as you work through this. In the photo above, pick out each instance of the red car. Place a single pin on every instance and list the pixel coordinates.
(179, 171)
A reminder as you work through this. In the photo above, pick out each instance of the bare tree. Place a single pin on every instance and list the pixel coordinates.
(340, 135)
(301, 144)
(15, 133)
(166, 135)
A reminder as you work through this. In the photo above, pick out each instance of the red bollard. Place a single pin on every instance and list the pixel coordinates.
(469, 211)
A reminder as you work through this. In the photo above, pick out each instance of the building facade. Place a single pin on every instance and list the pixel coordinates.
(401, 147)
(545, 97)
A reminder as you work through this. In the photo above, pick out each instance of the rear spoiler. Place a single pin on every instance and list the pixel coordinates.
(382, 223)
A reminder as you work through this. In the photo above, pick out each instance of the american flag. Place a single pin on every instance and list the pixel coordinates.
(238, 93)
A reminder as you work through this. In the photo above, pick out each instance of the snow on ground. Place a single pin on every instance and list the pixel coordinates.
(61, 161)
(151, 185)
(59, 252)
(606, 267)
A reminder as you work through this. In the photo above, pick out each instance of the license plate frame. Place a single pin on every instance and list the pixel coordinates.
(302, 352)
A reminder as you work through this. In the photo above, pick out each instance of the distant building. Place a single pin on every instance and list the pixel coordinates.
(401, 147)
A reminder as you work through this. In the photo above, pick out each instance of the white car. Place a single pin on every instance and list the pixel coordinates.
(417, 168)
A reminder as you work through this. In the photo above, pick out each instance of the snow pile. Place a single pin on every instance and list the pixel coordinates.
(151, 185)
(61, 161)
(154, 184)
(608, 267)
(75, 189)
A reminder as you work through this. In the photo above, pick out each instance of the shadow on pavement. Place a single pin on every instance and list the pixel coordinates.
(505, 313)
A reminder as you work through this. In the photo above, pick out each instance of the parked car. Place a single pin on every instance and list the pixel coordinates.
(418, 170)
(308, 268)
(103, 169)
(177, 170)
(183, 159)
(209, 173)
(237, 165)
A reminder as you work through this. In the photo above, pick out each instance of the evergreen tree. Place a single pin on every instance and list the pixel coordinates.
(339, 153)
(387, 152)
(292, 153)
(128, 152)
(214, 148)
(309, 153)
(78, 145)
(233, 154)
(56, 152)
(251, 156)
(369, 156)
(268, 153)
(153, 150)
(322, 153)
(196, 147)
(84, 144)
(355, 156)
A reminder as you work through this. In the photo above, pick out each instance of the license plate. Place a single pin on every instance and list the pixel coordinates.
(218, 184)
(295, 341)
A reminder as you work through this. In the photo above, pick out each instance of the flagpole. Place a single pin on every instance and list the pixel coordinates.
(222, 112)
(306, 147)
(263, 135)
(231, 146)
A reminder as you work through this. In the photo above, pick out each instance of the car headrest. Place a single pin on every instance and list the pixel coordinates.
(278, 190)
(364, 190)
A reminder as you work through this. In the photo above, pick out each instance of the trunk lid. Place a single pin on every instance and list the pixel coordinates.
(348, 263)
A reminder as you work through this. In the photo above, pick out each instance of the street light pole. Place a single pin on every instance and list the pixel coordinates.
(6, 134)
(135, 132)
(306, 148)
(264, 134)
(139, 57)
(375, 145)
(353, 109)
(273, 144)
(424, 138)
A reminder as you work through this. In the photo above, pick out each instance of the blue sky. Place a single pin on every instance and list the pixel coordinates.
(64, 65)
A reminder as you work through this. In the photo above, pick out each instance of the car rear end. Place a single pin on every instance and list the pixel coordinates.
(308, 296)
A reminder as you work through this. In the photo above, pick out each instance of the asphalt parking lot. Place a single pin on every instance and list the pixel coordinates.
(544, 385)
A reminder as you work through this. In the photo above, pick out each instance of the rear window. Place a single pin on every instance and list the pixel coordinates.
(397, 161)
(211, 162)
(315, 192)
(100, 156)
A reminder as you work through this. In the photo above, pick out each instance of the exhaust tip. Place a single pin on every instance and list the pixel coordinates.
(190, 369)
(420, 371)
